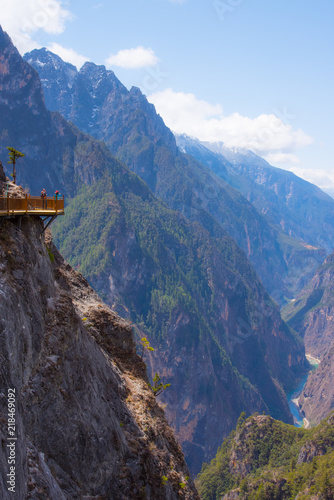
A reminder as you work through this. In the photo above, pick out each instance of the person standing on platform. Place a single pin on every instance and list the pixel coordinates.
(44, 200)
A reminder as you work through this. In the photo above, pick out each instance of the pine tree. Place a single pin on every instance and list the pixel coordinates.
(13, 156)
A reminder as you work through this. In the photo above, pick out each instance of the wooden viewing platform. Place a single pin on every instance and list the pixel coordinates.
(32, 205)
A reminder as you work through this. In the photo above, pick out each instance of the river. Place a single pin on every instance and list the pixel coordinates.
(299, 420)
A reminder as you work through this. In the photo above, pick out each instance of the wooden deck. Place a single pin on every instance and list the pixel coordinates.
(31, 205)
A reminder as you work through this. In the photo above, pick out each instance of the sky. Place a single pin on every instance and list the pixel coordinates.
(255, 74)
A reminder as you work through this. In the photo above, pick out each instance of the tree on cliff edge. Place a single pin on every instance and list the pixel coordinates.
(13, 156)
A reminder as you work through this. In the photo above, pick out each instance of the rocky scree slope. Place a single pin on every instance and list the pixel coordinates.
(100, 105)
(156, 268)
(266, 459)
(88, 426)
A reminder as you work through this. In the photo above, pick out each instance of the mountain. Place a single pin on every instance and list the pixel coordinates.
(100, 105)
(198, 301)
(266, 459)
(86, 422)
(195, 296)
(295, 206)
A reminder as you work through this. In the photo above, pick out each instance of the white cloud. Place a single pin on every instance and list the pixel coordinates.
(265, 135)
(133, 58)
(322, 178)
(68, 55)
(22, 19)
(281, 158)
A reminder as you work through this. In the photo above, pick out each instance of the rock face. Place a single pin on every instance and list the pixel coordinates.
(312, 316)
(2, 174)
(317, 398)
(312, 313)
(87, 425)
(100, 105)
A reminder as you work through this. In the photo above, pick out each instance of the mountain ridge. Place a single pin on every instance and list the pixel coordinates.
(136, 134)
(289, 202)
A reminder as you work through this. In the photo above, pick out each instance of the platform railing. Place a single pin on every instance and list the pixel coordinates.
(30, 204)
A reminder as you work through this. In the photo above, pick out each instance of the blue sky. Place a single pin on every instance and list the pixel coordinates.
(251, 73)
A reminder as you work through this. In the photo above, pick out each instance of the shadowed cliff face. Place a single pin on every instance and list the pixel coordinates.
(86, 422)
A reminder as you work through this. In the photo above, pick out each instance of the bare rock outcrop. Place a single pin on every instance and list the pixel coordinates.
(2, 173)
(86, 423)
(317, 398)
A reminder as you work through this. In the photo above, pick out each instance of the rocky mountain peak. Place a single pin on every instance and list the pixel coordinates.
(135, 91)
(44, 57)
(20, 86)
(5, 40)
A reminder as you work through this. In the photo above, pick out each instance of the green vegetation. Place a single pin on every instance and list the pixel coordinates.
(145, 346)
(51, 256)
(13, 156)
(119, 210)
(158, 386)
(164, 480)
(268, 460)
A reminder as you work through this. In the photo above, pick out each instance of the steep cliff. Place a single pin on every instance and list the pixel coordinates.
(312, 313)
(87, 424)
(317, 399)
(312, 316)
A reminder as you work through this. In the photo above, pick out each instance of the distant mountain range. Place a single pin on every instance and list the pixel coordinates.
(219, 337)
(100, 105)
(290, 203)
